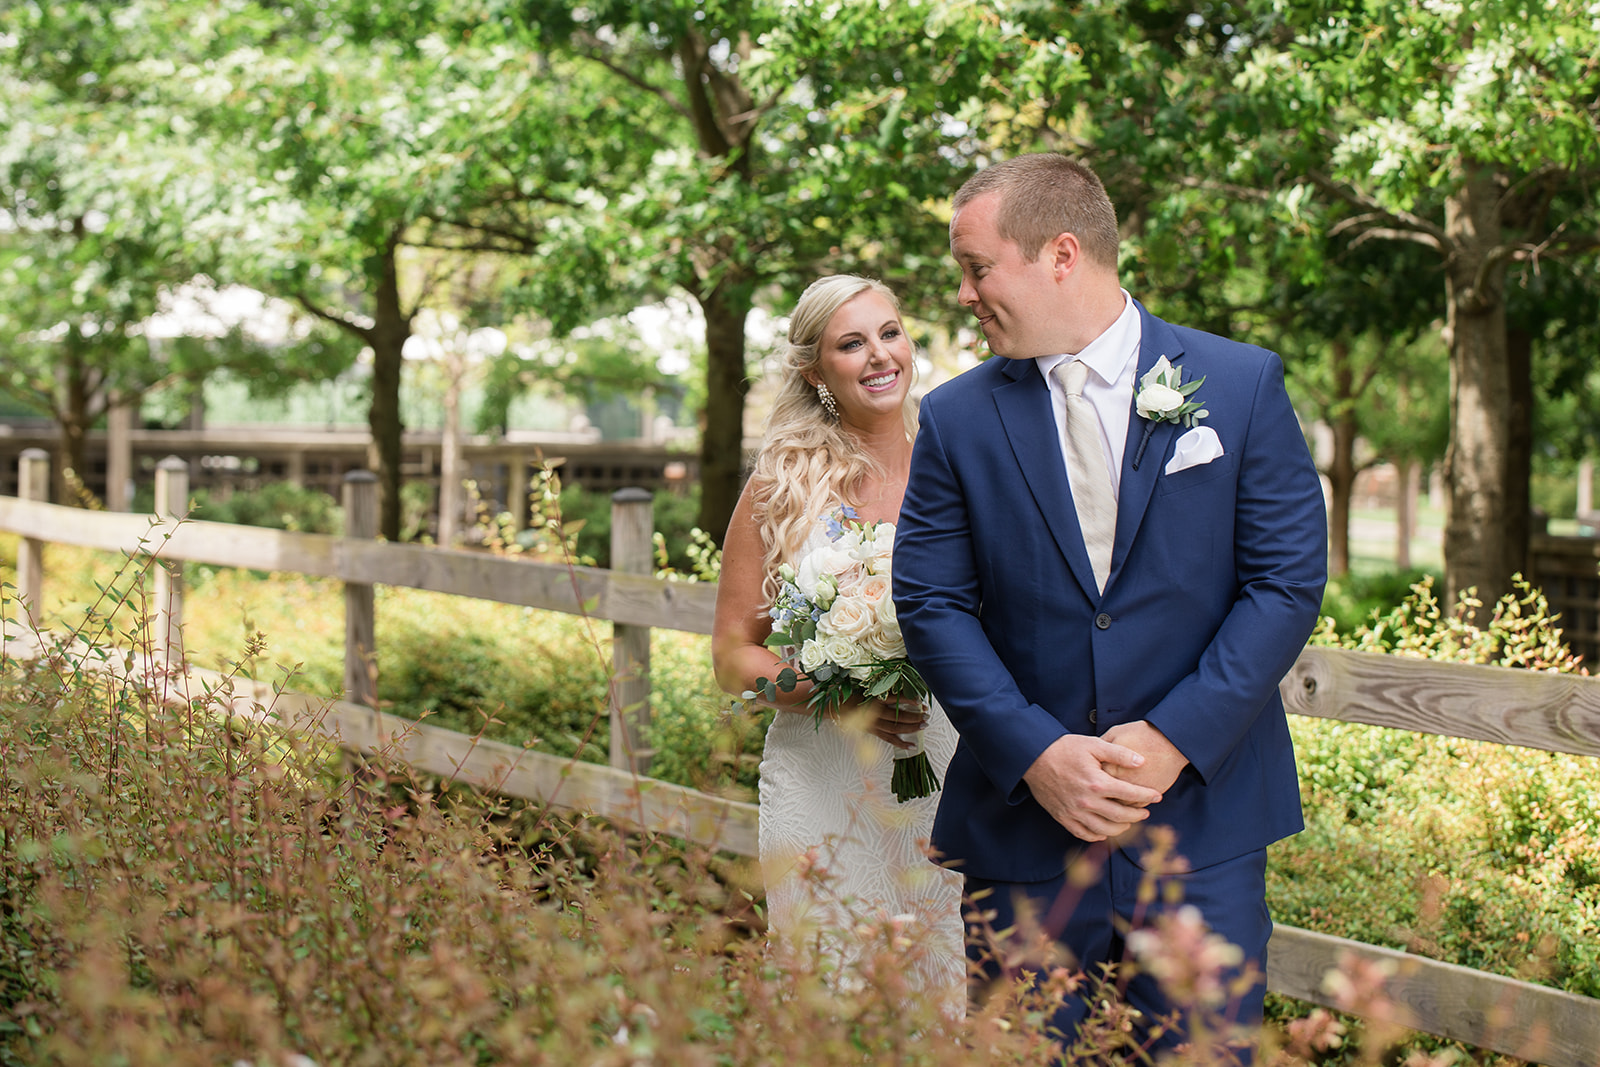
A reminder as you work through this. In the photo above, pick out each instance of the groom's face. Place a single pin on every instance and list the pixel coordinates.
(1010, 296)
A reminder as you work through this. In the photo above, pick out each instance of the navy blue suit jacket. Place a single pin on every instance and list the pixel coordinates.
(1216, 581)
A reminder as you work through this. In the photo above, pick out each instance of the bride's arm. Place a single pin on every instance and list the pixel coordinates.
(741, 624)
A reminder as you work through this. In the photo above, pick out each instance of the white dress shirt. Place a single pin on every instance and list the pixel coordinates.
(1113, 361)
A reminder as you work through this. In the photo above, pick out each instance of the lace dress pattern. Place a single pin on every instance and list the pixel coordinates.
(841, 857)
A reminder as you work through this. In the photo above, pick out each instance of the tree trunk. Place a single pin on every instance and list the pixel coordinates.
(1406, 512)
(1476, 540)
(1342, 465)
(722, 440)
(450, 456)
(1519, 450)
(74, 449)
(73, 417)
(387, 336)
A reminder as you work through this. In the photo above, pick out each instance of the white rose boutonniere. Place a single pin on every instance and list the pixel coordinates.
(1164, 396)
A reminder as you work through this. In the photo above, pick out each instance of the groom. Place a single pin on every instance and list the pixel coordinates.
(1103, 598)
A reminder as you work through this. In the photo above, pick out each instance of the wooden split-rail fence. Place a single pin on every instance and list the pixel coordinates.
(1557, 713)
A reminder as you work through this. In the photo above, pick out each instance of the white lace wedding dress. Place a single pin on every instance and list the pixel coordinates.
(844, 861)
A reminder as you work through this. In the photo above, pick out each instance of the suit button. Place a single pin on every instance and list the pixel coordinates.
(1103, 621)
(1094, 717)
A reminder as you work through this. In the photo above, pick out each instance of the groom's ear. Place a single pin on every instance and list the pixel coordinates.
(1065, 254)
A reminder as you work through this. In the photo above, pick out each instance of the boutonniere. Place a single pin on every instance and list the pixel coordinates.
(1163, 396)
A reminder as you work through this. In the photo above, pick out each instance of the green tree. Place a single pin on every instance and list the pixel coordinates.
(1471, 130)
(87, 247)
(776, 144)
(374, 144)
(312, 148)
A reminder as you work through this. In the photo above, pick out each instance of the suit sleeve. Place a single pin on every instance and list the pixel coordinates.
(939, 601)
(1280, 561)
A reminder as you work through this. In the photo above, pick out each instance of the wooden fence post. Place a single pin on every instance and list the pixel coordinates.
(172, 504)
(360, 613)
(517, 490)
(119, 453)
(33, 483)
(631, 522)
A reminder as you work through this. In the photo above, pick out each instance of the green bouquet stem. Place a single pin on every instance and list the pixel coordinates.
(913, 778)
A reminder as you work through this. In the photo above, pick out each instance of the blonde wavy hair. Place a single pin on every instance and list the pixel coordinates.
(808, 464)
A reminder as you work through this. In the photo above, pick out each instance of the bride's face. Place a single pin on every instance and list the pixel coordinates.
(866, 360)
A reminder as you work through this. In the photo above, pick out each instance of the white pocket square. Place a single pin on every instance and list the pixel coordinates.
(1199, 446)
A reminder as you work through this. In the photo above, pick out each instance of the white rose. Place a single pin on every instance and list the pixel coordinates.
(885, 643)
(1157, 373)
(883, 537)
(841, 651)
(1155, 399)
(821, 561)
(849, 617)
(812, 656)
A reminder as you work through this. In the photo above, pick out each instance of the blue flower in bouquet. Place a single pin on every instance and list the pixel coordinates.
(838, 520)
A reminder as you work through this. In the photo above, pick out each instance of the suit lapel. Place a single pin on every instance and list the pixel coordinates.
(1137, 484)
(1023, 402)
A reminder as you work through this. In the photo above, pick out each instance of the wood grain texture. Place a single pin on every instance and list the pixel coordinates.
(1519, 1019)
(1553, 712)
(639, 599)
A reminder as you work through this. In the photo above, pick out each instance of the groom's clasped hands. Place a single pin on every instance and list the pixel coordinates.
(1100, 787)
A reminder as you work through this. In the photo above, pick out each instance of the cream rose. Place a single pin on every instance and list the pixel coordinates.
(849, 617)
(885, 643)
(873, 591)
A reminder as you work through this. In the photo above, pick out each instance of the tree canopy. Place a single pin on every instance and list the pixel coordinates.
(1341, 181)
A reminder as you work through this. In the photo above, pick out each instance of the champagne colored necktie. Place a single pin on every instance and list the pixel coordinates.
(1086, 471)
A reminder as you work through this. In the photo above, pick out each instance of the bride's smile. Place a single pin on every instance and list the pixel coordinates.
(866, 361)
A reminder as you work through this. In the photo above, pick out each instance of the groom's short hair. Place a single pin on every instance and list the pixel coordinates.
(1046, 194)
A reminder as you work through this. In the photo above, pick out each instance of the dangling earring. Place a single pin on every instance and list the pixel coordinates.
(826, 399)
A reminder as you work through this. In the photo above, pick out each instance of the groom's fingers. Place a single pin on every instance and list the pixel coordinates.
(1069, 781)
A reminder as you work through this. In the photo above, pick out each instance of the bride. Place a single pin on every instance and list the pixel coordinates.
(837, 850)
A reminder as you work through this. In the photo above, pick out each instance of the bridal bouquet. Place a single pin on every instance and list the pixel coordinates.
(833, 621)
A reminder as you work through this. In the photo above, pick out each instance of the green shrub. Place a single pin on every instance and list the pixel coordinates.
(673, 515)
(1469, 852)
(1465, 851)
(700, 737)
(277, 505)
(1355, 600)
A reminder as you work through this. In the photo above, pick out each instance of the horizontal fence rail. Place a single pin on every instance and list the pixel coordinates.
(638, 599)
(1556, 713)
(1531, 709)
